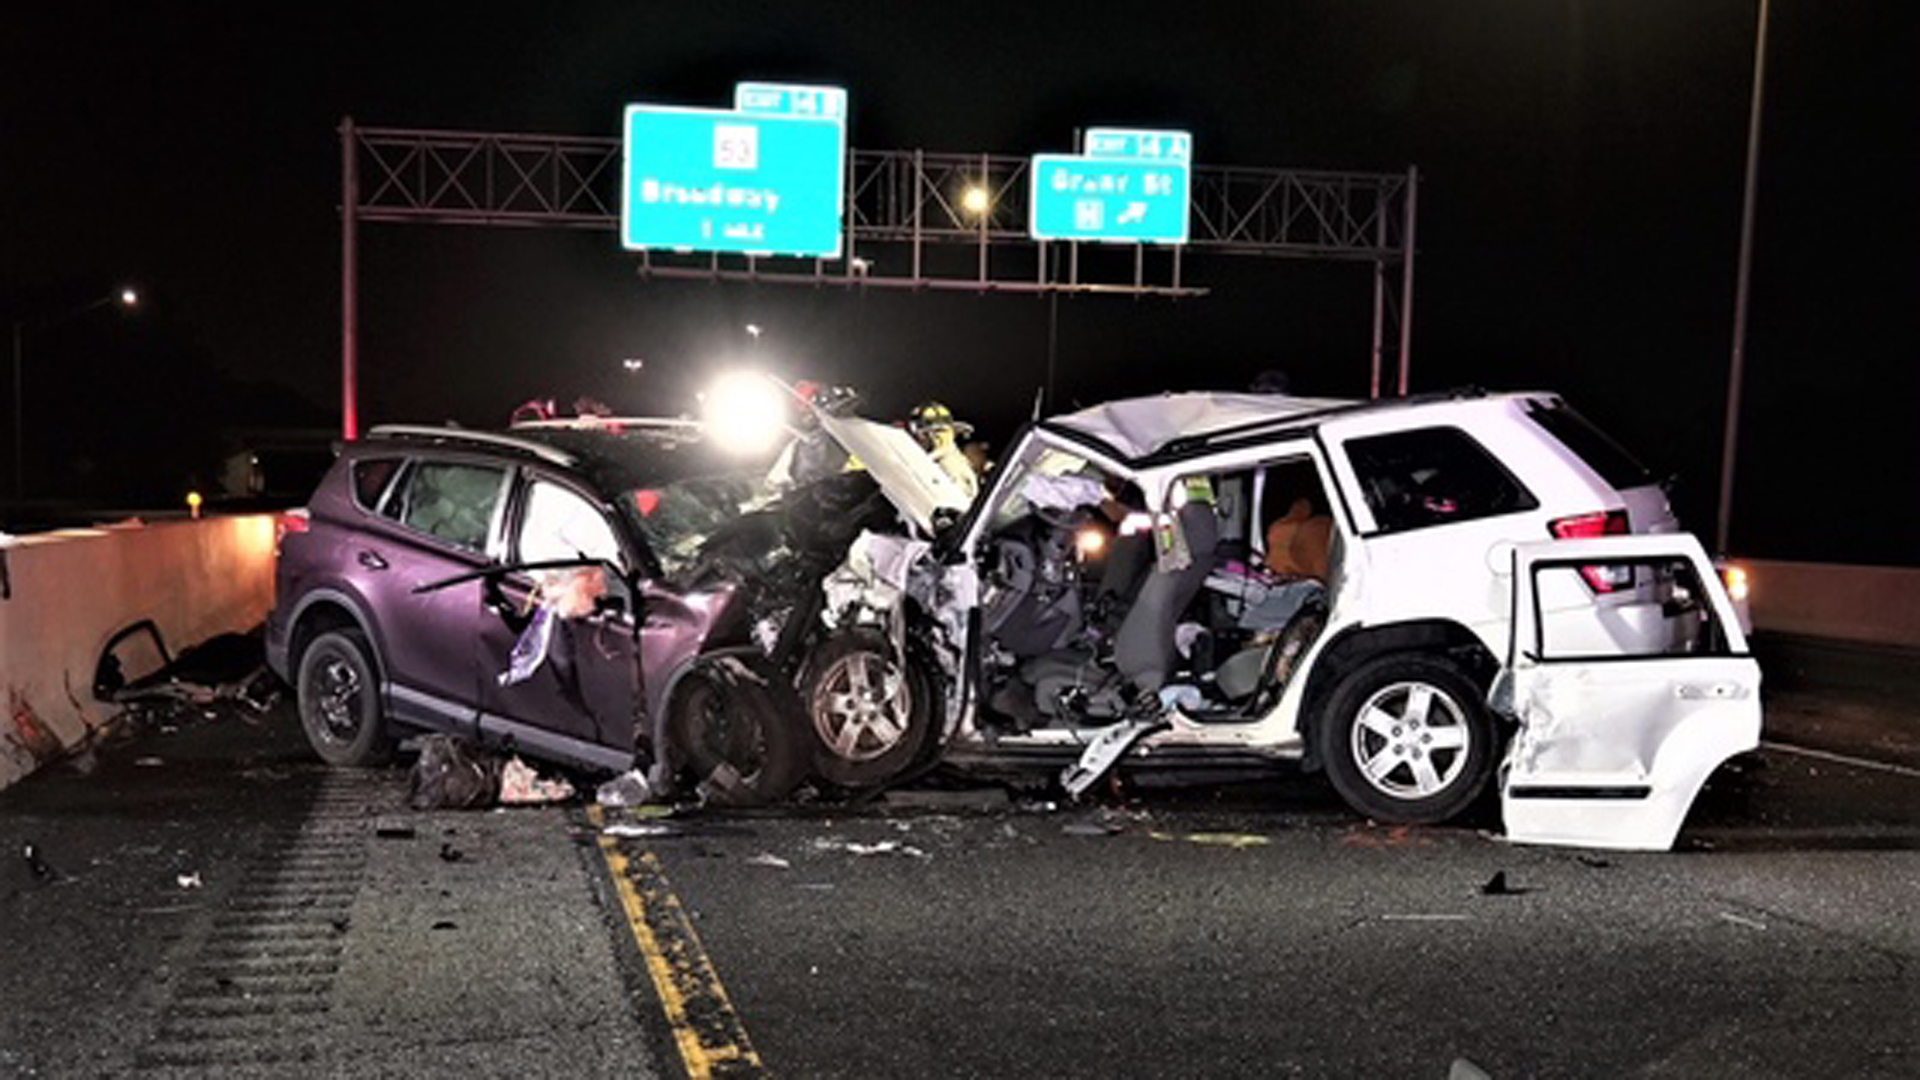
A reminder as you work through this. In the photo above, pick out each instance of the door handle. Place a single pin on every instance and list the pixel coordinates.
(372, 560)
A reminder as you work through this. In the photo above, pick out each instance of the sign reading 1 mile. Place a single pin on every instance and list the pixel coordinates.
(767, 177)
(1127, 186)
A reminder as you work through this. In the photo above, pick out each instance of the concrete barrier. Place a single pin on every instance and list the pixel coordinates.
(69, 591)
(1873, 604)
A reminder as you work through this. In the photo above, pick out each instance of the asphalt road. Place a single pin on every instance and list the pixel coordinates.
(1257, 931)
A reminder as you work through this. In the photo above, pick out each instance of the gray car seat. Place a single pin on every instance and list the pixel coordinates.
(1143, 650)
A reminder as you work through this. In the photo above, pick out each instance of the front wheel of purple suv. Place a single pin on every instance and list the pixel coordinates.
(339, 698)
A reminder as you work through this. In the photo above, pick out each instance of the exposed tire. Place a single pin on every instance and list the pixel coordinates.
(728, 720)
(873, 718)
(1406, 738)
(338, 689)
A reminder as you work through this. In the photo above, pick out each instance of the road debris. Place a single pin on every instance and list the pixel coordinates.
(392, 830)
(1497, 885)
(1237, 841)
(768, 858)
(451, 774)
(634, 830)
(37, 865)
(189, 881)
(449, 853)
(520, 785)
(149, 762)
(628, 789)
(446, 924)
(1434, 916)
(883, 847)
(1742, 920)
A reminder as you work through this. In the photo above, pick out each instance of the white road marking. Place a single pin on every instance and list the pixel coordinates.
(1842, 759)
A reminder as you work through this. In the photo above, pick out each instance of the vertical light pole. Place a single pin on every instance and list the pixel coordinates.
(1736, 369)
(126, 298)
(349, 283)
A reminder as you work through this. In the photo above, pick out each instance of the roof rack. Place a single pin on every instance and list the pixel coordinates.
(468, 435)
(609, 423)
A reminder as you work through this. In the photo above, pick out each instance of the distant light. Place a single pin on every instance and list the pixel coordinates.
(633, 363)
(860, 265)
(1090, 542)
(754, 329)
(193, 503)
(745, 412)
(1738, 586)
(975, 200)
(128, 297)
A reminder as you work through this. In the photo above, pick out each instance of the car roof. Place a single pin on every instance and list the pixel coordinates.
(1177, 425)
(613, 453)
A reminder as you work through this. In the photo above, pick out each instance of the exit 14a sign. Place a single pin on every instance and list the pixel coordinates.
(1129, 187)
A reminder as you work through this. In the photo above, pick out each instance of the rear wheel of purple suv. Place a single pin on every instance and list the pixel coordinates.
(339, 697)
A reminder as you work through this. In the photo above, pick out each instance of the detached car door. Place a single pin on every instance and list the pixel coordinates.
(1631, 682)
(577, 702)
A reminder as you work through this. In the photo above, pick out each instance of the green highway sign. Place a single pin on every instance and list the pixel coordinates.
(765, 180)
(1129, 187)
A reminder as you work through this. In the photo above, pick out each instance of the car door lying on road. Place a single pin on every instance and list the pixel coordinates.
(1631, 681)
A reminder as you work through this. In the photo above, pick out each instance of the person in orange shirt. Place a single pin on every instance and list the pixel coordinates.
(1298, 544)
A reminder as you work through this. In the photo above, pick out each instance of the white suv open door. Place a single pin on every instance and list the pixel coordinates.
(1631, 681)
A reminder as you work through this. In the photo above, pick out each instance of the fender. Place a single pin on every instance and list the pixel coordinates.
(345, 596)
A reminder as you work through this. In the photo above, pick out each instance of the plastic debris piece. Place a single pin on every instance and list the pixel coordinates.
(520, 785)
(391, 830)
(148, 762)
(189, 881)
(639, 829)
(884, 847)
(1236, 841)
(768, 858)
(1092, 828)
(1497, 885)
(630, 788)
(449, 853)
(1742, 920)
(37, 865)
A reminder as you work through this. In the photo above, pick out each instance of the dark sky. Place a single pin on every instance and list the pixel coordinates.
(1578, 217)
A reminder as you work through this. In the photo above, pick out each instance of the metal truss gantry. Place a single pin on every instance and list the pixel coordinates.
(906, 225)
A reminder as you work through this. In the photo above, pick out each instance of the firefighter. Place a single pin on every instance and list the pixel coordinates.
(933, 426)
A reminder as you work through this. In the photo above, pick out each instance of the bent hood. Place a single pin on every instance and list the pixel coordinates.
(910, 478)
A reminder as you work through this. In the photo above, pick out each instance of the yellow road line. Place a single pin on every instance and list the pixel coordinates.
(711, 1038)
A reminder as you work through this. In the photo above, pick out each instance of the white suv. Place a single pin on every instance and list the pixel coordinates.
(1200, 585)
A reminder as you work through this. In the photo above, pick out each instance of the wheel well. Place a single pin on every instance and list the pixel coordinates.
(319, 618)
(1358, 645)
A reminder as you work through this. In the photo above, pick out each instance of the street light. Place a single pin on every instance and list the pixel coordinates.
(126, 297)
(975, 200)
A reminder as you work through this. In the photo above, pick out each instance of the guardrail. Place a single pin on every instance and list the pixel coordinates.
(1872, 604)
(63, 594)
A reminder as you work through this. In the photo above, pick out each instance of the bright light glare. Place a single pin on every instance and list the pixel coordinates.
(745, 412)
(1738, 587)
(1090, 542)
(974, 200)
(129, 297)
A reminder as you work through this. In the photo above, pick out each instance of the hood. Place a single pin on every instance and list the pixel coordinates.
(911, 480)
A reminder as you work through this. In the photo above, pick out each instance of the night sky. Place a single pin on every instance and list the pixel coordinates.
(1578, 221)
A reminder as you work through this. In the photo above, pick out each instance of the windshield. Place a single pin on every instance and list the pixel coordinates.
(675, 519)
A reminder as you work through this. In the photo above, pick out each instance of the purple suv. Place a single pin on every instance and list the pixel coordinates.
(521, 589)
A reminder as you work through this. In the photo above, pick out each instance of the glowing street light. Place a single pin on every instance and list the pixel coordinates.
(745, 412)
(975, 200)
(633, 364)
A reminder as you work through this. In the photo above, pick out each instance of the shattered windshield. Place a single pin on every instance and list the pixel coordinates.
(677, 518)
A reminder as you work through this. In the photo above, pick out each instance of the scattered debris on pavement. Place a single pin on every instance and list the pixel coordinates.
(1742, 920)
(1498, 885)
(634, 830)
(768, 858)
(629, 789)
(451, 774)
(189, 881)
(521, 785)
(392, 830)
(883, 847)
(37, 865)
(449, 853)
(1236, 841)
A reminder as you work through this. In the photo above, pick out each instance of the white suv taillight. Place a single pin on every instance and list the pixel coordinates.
(1601, 579)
